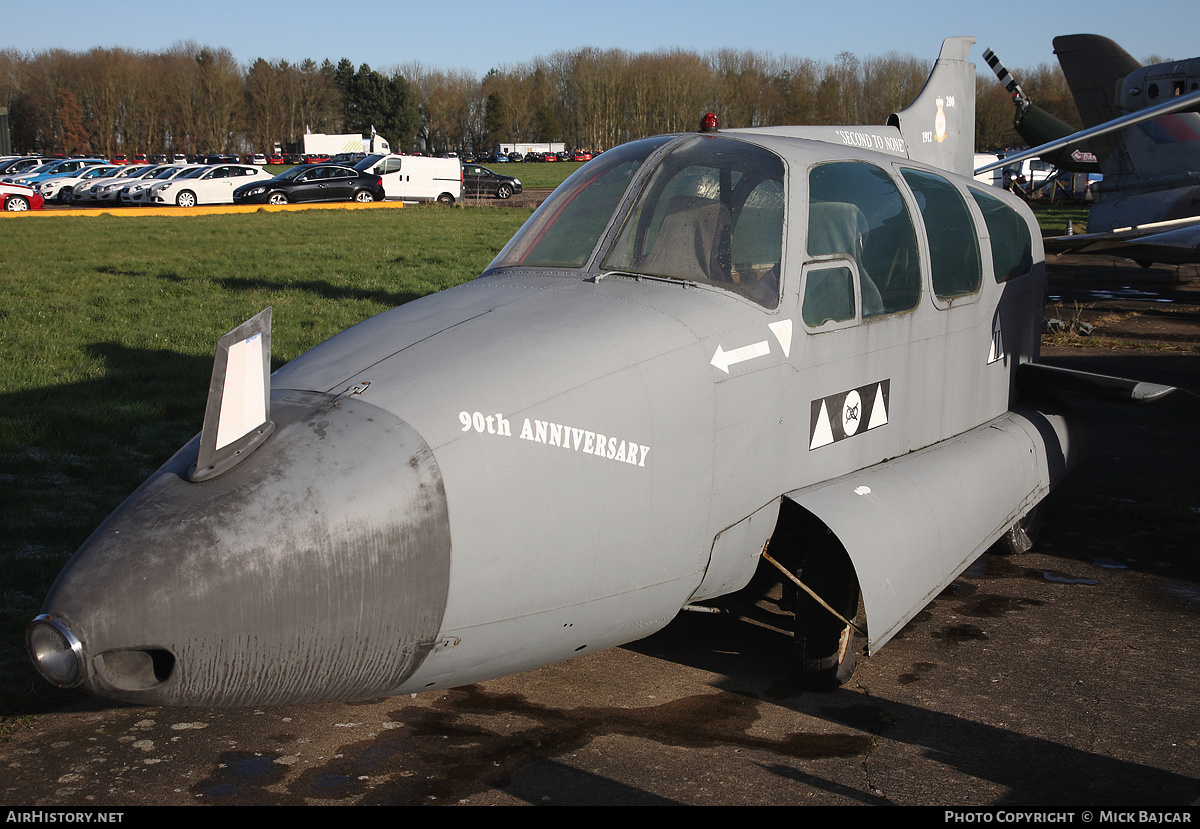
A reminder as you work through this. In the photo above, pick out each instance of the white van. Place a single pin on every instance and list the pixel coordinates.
(416, 178)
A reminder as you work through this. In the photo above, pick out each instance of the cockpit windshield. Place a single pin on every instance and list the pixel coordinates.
(711, 212)
(565, 229)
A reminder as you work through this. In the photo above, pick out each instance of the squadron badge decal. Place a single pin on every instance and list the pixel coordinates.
(848, 413)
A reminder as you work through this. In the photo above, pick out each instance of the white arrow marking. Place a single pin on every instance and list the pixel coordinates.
(783, 332)
(724, 359)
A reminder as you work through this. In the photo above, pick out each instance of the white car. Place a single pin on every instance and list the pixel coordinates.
(210, 185)
(62, 188)
(109, 189)
(73, 194)
(137, 192)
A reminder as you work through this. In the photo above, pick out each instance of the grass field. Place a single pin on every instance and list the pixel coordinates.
(107, 331)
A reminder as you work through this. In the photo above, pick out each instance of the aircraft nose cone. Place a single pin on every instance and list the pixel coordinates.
(316, 569)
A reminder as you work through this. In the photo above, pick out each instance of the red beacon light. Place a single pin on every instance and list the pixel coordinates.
(709, 123)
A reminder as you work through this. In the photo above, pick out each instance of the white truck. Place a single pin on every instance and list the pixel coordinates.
(318, 143)
(416, 178)
(525, 147)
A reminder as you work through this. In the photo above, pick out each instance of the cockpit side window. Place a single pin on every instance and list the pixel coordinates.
(1012, 247)
(953, 240)
(855, 208)
(711, 212)
(828, 295)
(565, 229)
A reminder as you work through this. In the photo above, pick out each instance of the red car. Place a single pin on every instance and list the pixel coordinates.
(17, 198)
(582, 155)
(275, 158)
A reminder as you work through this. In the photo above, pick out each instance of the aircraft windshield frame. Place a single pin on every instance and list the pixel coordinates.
(680, 221)
(710, 213)
(564, 231)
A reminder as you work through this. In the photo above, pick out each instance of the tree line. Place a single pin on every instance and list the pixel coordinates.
(193, 98)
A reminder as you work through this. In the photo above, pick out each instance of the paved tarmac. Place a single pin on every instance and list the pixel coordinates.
(1063, 678)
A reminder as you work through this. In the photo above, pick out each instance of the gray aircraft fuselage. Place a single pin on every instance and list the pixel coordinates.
(558, 456)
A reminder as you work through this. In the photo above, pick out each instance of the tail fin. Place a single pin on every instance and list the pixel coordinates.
(1151, 156)
(1093, 66)
(939, 126)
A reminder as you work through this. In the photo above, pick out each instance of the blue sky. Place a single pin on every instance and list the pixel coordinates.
(477, 36)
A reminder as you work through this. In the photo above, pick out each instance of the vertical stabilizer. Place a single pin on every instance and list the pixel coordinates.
(1151, 169)
(939, 126)
(1093, 66)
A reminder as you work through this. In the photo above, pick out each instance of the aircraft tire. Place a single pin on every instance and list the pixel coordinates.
(825, 647)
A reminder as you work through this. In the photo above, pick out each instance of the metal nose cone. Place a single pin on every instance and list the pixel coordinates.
(317, 569)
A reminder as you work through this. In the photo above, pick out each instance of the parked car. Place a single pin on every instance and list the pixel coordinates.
(72, 193)
(17, 198)
(206, 185)
(62, 188)
(137, 192)
(275, 159)
(53, 167)
(319, 182)
(108, 190)
(480, 181)
(14, 166)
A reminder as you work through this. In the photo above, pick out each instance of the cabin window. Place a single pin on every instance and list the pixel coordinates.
(828, 296)
(565, 229)
(856, 209)
(712, 213)
(1012, 247)
(953, 240)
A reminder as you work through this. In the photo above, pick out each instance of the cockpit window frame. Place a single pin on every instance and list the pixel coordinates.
(937, 278)
(815, 266)
(866, 228)
(515, 254)
(627, 250)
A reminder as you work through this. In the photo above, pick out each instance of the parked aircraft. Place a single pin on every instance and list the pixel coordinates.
(817, 338)
(1141, 122)
(1038, 127)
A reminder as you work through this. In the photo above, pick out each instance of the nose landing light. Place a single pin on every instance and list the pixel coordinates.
(55, 651)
